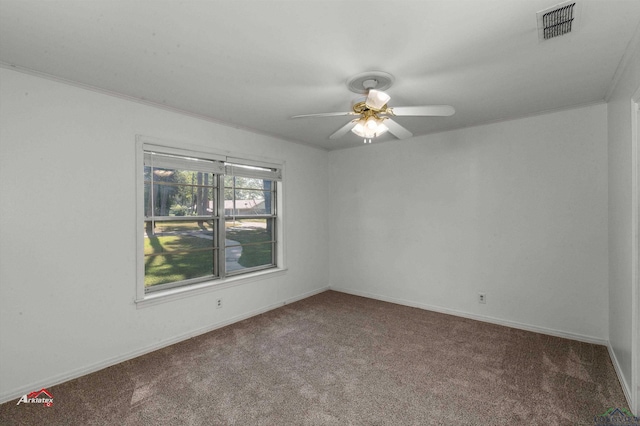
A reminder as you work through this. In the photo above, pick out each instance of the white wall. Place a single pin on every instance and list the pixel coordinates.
(621, 228)
(68, 231)
(516, 209)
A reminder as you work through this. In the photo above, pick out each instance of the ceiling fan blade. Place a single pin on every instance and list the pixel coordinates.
(342, 130)
(325, 114)
(426, 110)
(397, 130)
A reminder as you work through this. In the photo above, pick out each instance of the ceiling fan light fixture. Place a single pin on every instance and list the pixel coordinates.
(359, 129)
(369, 128)
(371, 125)
(377, 99)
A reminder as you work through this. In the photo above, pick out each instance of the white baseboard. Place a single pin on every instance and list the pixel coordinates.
(616, 365)
(74, 374)
(483, 318)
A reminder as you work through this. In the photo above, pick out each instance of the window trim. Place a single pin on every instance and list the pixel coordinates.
(146, 143)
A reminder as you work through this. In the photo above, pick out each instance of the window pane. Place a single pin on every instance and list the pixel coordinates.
(249, 243)
(174, 192)
(249, 196)
(249, 256)
(198, 228)
(243, 182)
(252, 203)
(176, 251)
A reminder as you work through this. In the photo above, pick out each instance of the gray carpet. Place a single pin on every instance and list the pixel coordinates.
(336, 359)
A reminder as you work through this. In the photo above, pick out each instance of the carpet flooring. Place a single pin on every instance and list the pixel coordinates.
(337, 359)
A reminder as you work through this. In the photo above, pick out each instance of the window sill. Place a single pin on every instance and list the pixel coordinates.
(177, 293)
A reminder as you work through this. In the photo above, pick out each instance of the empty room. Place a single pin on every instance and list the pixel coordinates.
(319, 212)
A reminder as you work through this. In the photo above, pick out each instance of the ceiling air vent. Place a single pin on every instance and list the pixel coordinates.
(556, 21)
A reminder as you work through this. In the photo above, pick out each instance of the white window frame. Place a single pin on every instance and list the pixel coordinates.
(146, 143)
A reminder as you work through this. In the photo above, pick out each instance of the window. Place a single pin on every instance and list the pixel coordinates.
(205, 217)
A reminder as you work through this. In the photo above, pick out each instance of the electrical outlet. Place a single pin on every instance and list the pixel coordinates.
(219, 303)
(482, 298)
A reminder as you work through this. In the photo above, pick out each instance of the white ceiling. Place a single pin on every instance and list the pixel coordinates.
(254, 64)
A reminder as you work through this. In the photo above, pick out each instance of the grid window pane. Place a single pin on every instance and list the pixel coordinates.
(178, 250)
(175, 192)
(249, 243)
(248, 196)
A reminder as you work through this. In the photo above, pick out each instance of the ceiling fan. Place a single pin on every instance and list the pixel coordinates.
(374, 115)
